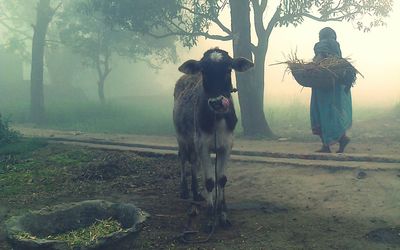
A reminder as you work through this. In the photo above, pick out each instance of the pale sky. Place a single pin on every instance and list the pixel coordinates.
(375, 54)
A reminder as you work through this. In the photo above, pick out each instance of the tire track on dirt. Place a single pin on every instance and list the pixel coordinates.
(171, 151)
(325, 157)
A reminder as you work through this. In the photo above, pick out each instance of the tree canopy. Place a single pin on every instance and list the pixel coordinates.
(187, 19)
(87, 33)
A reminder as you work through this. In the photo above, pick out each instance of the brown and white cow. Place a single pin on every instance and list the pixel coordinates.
(204, 109)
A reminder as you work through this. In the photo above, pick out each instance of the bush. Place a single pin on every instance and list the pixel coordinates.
(7, 135)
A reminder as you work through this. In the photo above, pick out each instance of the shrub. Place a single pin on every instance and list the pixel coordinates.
(7, 135)
(397, 110)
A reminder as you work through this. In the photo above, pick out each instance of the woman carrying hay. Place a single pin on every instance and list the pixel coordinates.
(331, 108)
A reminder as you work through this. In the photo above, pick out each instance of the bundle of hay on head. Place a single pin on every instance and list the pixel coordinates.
(327, 67)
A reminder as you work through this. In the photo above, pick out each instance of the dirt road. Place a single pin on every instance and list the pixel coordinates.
(366, 146)
(256, 150)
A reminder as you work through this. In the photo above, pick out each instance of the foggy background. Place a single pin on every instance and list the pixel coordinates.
(135, 86)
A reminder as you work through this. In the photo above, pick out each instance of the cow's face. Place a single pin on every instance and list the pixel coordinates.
(216, 67)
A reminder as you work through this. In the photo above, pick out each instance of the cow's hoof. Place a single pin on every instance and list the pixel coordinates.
(184, 195)
(224, 222)
(193, 211)
(198, 197)
(208, 228)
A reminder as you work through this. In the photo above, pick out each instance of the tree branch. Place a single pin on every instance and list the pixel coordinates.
(222, 26)
(204, 34)
(9, 43)
(258, 19)
(321, 19)
(56, 8)
(53, 41)
(253, 48)
(263, 5)
(181, 32)
(274, 20)
(215, 20)
(15, 30)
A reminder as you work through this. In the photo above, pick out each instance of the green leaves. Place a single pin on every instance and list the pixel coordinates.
(365, 13)
(86, 27)
(186, 19)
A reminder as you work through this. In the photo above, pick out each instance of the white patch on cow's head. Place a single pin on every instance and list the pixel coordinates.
(216, 56)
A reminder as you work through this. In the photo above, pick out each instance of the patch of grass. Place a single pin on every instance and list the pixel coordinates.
(23, 146)
(23, 175)
(292, 121)
(69, 158)
(139, 116)
(15, 183)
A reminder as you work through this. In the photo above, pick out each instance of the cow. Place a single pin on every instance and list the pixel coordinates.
(204, 119)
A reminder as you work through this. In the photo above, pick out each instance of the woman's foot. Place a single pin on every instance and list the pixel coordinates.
(324, 149)
(343, 143)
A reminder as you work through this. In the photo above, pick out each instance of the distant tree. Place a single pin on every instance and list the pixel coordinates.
(85, 31)
(44, 15)
(16, 21)
(190, 19)
(62, 64)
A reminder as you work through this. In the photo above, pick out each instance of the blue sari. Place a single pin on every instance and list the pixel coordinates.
(331, 113)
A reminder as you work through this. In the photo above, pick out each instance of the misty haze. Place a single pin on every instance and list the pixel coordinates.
(224, 124)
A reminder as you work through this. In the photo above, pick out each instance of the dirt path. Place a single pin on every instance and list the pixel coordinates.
(367, 146)
(335, 207)
(357, 151)
(272, 205)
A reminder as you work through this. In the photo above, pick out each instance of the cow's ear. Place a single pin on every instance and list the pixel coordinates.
(190, 67)
(241, 64)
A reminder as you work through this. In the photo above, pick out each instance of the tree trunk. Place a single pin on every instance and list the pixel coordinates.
(43, 18)
(101, 90)
(103, 70)
(250, 84)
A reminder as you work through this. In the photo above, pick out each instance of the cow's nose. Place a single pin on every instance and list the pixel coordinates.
(219, 104)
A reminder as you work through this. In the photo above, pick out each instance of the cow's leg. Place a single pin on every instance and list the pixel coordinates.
(222, 159)
(195, 184)
(203, 151)
(194, 169)
(182, 153)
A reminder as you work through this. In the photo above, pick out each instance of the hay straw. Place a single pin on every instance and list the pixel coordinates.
(312, 74)
(83, 236)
